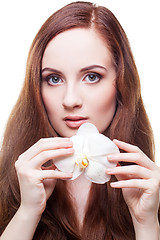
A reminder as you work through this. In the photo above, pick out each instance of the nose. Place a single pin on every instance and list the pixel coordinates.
(72, 97)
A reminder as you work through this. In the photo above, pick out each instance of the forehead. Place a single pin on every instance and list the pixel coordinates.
(79, 46)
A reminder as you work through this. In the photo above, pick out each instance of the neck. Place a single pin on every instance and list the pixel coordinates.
(79, 190)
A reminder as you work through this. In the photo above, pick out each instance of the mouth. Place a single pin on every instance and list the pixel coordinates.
(75, 121)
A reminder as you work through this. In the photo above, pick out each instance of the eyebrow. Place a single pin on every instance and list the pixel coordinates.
(92, 67)
(82, 70)
(50, 70)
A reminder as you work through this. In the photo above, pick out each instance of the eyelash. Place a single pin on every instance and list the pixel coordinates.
(97, 77)
(53, 76)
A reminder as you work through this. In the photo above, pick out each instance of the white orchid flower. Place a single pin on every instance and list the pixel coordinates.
(90, 156)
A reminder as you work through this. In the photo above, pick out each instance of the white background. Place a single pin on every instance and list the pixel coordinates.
(20, 21)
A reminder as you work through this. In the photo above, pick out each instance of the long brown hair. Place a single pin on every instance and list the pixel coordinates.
(107, 216)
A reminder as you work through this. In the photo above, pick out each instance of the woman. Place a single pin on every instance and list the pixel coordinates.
(80, 69)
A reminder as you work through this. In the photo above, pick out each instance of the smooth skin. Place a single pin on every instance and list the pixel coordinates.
(78, 79)
(140, 188)
(69, 90)
(36, 185)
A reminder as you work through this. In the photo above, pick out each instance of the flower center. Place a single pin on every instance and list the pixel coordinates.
(82, 161)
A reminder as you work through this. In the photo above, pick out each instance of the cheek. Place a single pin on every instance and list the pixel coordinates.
(50, 101)
(105, 101)
(103, 107)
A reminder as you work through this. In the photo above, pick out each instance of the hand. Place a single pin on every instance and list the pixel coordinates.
(37, 182)
(140, 183)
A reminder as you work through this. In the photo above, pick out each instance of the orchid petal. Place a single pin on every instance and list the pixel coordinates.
(69, 165)
(95, 172)
(90, 157)
(87, 129)
(76, 172)
(98, 144)
(66, 164)
(102, 159)
(78, 143)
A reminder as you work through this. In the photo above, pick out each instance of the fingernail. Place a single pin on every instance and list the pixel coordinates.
(67, 139)
(69, 175)
(69, 144)
(109, 170)
(113, 184)
(109, 157)
(70, 150)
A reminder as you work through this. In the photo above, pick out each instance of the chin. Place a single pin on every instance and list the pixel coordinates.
(67, 133)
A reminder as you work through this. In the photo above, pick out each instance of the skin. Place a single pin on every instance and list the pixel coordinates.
(69, 53)
(140, 188)
(75, 94)
(69, 90)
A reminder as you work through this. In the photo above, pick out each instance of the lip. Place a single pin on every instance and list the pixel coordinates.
(75, 121)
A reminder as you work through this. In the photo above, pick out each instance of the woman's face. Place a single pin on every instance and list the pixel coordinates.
(78, 81)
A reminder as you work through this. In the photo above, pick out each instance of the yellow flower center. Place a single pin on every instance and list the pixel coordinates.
(82, 162)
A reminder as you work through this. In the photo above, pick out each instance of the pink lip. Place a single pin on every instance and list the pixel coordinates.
(75, 121)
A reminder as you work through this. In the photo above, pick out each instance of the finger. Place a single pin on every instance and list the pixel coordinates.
(46, 144)
(53, 174)
(131, 183)
(133, 157)
(132, 171)
(150, 185)
(125, 157)
(126, 146)
(45, 156)
(129, 148)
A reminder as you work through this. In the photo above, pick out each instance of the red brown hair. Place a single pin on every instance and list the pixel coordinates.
(107, 216)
